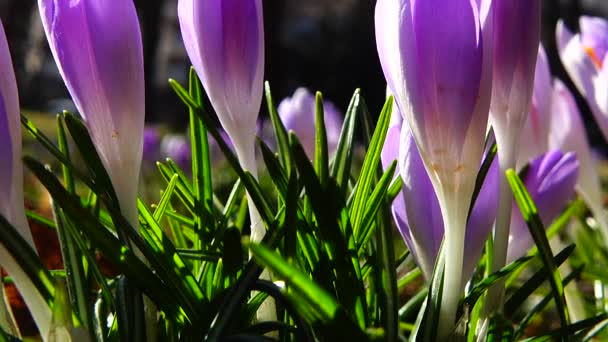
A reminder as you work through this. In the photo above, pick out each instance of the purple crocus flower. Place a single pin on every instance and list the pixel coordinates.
(568, 134)
(534, 139)
(298, 114)
(516, 41)
(550, 179)
(225, 42)
(417, 212)
(434, 57)
(11, 187)
(177, 147)
(98, 49)
(151, 146)
(584, 57)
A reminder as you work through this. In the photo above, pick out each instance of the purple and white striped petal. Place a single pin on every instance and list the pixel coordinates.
(98, 49)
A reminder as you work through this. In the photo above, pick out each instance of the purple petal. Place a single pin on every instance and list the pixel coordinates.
(333, 124)
(449, 70)
(8, 112)
(6, 167)
(550, 180)
(594, 36)
(177, 147)
(568, 134)
(516, 40)
(298, 114)
(482, 219)
(151, 146)
(98, 49)
(535, 135)
(395, 42)
(11, 171)
(584, 73)
(418, 215)
(390, 150)
(422, 211)
(225, 42)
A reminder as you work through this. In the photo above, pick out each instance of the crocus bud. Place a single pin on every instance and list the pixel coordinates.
(298, 114)
(534, 139)
(11, 187)
(516, 39)
(550, 180)
(432, 55)
(417, 213)
(225, 42)
(568, 134)
(584, 57)
(97, 47)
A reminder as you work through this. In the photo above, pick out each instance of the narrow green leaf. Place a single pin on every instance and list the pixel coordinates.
(168, 259)
(51, 148)
(237, 295)
(27, 259)
(279, 130)
(119, 254)
(76, 278)
(525, 290)
(318, 299)
(481, 175)
(368, 171)
(523, 324)
(374, 203)
(39, 219)
(321, 152)
(68, 178)
(164, 202)
(201, 164)
(388, 270)
(344, 153)
(335, 234)
(481, 287)
(183, 94)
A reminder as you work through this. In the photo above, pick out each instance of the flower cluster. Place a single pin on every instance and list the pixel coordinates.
(454, 68)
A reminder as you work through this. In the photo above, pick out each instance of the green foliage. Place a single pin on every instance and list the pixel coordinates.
(330, 246)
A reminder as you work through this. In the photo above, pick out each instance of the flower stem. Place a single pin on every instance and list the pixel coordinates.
(454, 218)
(34, 301)
(506, 161)
(246, 156)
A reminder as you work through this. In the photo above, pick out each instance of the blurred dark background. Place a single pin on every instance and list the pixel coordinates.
(325, 45)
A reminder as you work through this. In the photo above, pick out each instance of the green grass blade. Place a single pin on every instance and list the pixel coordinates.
(388, 270)
(523, 324)
(374, 203)
(39, 136)
(368, 171)
(201, 163)
(76, 278)
(118, 253)
(525, 290)
(279, 130)
(481, 287)
(321, 151)
(164, 202)
(535, 225)
(62, 139)
(27, 259)
(341, 168)
(321, 302)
